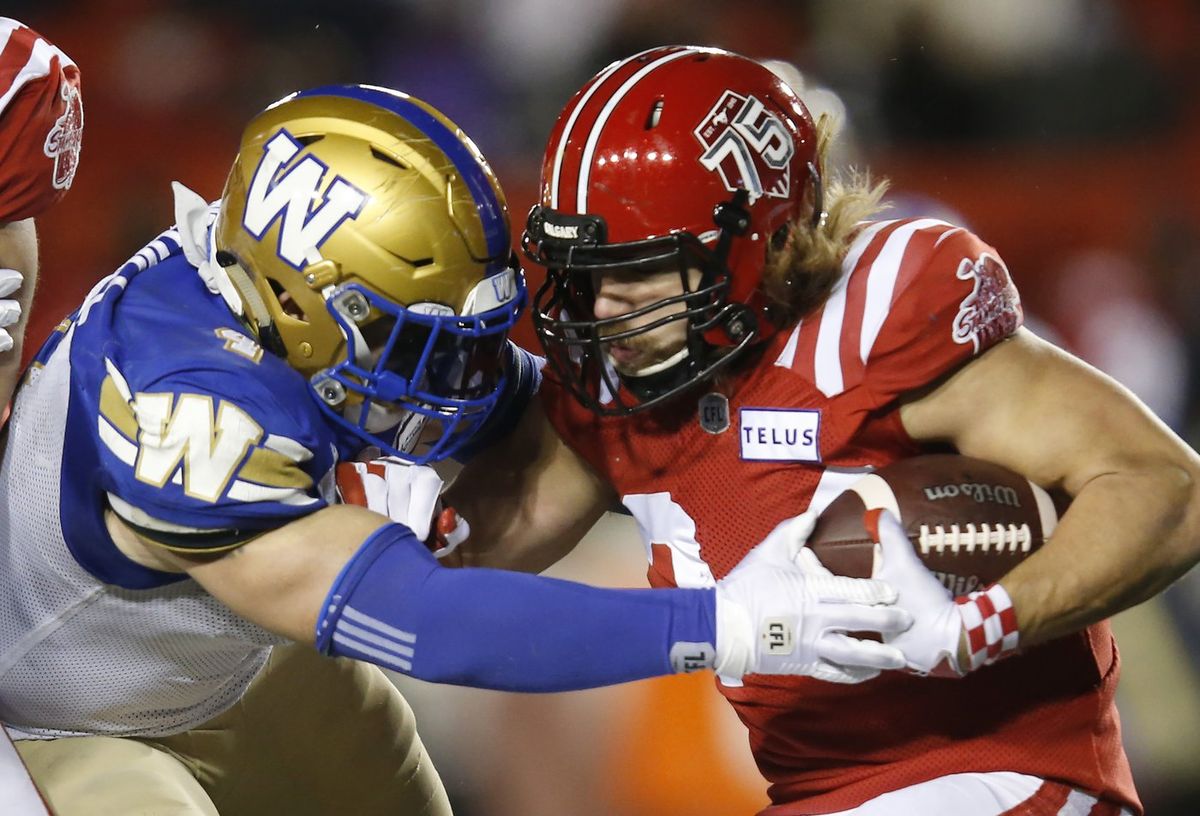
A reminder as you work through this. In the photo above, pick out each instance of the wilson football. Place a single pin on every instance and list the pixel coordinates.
(970, 521)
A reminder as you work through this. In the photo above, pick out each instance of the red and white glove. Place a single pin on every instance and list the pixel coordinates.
(985, 618)
(408, 494)
(780, 612)
(10, 310)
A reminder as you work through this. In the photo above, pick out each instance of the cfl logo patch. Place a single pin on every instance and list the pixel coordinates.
(778, 636)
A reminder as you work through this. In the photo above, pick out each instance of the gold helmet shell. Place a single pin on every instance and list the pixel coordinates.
(351, 210)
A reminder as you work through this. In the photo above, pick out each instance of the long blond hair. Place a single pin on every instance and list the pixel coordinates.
(800, 273)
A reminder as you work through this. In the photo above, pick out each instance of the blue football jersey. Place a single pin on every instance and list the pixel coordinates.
(179, 421)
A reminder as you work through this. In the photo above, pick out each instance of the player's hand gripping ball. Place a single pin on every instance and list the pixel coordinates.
(969, 521)
(941, 530)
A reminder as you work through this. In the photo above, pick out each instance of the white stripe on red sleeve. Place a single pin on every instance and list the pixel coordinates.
(882, 278)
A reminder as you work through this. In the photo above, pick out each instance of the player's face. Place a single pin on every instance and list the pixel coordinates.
(620, 292)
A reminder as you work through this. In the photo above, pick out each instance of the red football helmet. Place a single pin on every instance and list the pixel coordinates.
(678, 156)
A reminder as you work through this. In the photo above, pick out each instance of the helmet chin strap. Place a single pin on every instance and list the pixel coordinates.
(659, 367)
(249, 296)
(656, 379)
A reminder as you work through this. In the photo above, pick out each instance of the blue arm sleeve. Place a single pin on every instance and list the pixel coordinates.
(395, 606)
(524, 377)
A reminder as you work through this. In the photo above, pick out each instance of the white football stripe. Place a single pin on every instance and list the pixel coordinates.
(875, 492)
(834, 482)
(828, 362)
(788, 355)
(1047, 512)
(250, 492)
(378, 625)
(118, 380)
(566, 134)
(37, 67)
(288, 447)
(881, 282)
(860, 243)
(116, 442)
(384, 658)
(370, 637)
(7, 27)
(589, 148)
(946, 235)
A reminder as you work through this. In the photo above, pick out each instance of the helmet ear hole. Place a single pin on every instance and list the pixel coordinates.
(655, 115)
(286, 302)
(779, 237)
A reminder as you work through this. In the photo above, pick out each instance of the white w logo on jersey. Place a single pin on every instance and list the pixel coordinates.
(291, 195)
(209, 448)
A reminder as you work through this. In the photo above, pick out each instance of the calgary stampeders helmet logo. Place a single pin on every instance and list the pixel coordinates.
(748, 146)
(993, 309)
(65, 137)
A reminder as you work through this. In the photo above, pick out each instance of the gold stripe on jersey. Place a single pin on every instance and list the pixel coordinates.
(274, 469)
(116, 410)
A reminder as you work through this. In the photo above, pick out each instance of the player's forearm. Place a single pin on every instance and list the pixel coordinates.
(394, 605)
(1126, 536)
(358, 589)
(280, 579)
(529, 500)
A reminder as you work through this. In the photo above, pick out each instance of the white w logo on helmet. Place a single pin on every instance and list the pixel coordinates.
(290, 197)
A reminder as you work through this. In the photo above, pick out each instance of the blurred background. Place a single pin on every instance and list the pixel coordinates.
(1065, 133)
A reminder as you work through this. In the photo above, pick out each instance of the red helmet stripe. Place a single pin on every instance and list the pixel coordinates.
(566, 132)
(589, 148)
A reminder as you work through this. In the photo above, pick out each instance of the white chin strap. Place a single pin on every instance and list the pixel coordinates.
(677, 357)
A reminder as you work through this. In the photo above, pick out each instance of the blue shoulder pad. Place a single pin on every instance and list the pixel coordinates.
(217, 437)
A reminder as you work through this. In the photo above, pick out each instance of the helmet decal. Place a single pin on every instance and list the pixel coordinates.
(289, 197)
(747, 145)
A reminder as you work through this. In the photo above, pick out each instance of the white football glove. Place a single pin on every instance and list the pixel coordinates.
(932, 641)
(405, 493)
(10, 310)
(984, 618)
(780, 611)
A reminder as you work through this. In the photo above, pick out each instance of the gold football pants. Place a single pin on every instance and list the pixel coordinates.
(312, 736)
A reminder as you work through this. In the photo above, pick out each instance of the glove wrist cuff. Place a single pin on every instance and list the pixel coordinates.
(735, 638)
(989, 624)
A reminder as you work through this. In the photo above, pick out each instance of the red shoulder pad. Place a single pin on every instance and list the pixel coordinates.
(952, 304)
(41, 122)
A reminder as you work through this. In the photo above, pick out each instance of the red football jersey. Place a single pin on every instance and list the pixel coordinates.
(41, 122)
(708, 479)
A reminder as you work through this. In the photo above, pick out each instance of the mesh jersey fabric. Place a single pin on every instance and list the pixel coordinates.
(91, 642)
